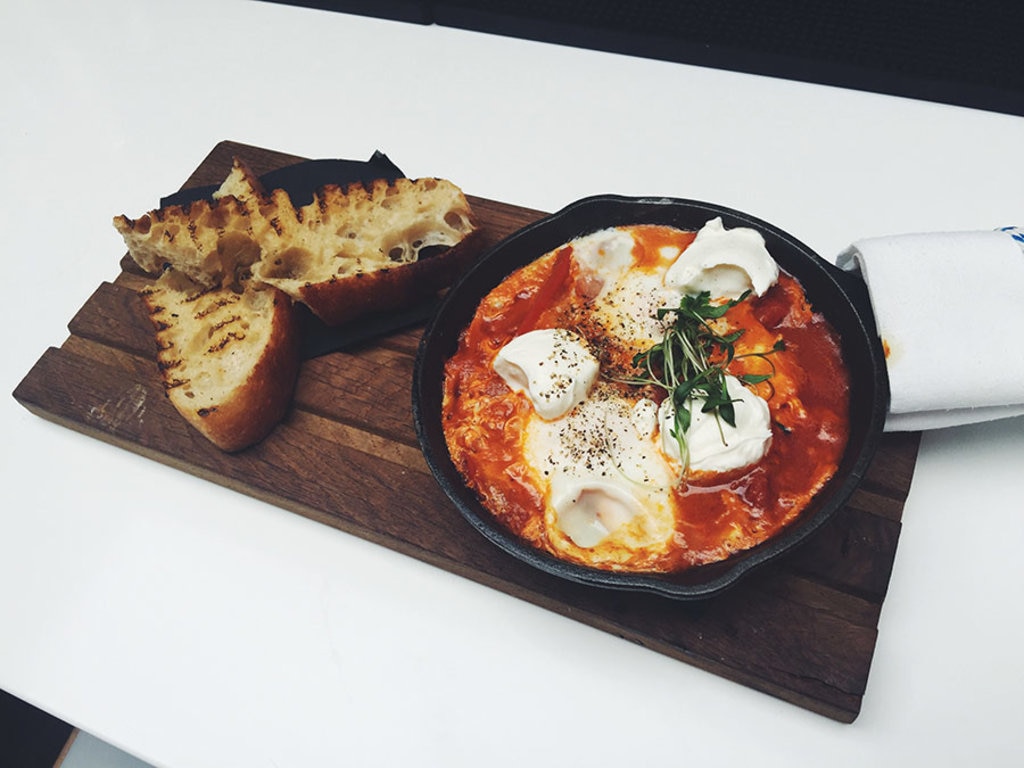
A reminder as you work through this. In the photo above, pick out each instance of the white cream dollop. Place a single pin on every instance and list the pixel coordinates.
(725, 262)
(551, 366)
(714, 445)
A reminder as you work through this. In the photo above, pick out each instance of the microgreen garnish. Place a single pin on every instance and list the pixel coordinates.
(681, 363)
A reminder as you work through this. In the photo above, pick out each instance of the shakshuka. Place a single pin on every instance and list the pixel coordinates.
(644, 398)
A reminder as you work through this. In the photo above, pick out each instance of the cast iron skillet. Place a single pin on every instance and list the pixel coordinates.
(841, 297)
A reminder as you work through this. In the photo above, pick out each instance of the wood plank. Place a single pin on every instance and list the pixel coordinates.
(115, 315)
(802, 629)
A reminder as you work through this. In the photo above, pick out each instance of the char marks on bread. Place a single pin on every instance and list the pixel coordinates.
(361, 249)
(229, 358)
(231, 269)
(350, 251)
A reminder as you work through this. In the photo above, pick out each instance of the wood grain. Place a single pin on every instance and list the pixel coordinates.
(802, 628)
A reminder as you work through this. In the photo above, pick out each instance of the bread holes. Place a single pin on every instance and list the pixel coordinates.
(431, 251)
(396, 253)
(289, 264)
(237, 249)
(458, 222)
(253, 254)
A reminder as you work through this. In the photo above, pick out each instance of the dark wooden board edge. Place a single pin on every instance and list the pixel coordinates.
(836, 613)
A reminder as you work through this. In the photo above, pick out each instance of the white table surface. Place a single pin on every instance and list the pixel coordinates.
(193, 626)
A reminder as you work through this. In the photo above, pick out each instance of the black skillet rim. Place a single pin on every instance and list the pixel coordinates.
(842, 297)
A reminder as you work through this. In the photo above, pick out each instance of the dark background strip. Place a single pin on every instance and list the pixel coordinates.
(961, 52)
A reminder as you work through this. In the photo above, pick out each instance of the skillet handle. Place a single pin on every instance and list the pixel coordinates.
(847, 276)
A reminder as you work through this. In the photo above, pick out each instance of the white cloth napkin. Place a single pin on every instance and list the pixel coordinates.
(950, 312)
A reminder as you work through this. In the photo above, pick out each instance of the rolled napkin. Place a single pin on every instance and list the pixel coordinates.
(950, 311)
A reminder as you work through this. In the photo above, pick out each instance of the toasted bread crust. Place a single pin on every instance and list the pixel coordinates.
(355, 251)
(311, 252)
(341, 300)
(230, 269)
(208, 242)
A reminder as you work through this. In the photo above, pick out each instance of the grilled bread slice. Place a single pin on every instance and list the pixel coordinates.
(349, 252)
(363, 249)
(231, 268)
(229, 358)
(209, 242)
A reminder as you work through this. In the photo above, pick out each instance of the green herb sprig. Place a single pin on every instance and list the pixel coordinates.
(681, 362)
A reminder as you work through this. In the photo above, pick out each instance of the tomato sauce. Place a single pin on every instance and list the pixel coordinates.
(716, 514)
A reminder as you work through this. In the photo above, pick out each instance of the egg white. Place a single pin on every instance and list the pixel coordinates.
(609, 484)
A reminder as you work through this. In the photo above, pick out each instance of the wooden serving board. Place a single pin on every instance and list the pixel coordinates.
(802, 628)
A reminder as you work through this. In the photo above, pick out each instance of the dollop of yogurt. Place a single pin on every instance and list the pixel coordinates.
(724, 262)
(714, 445)
(551, 366)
